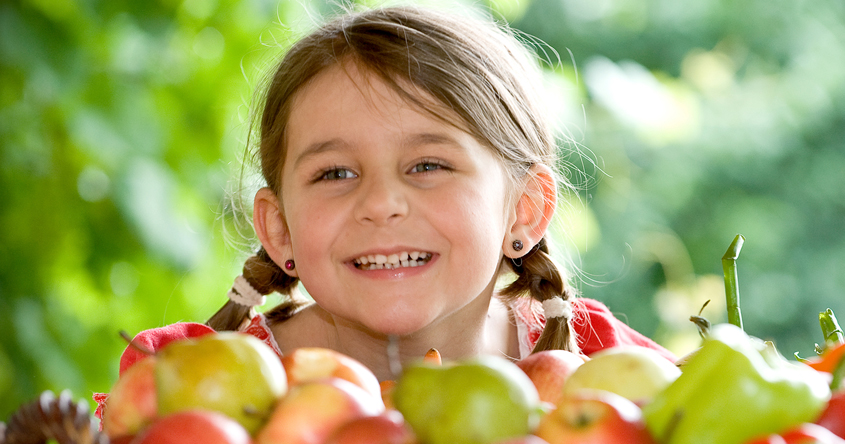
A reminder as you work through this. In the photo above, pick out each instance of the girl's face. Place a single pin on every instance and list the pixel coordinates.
(369, 178)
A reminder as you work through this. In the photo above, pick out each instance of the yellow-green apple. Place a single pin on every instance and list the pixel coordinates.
(548, 370)
(229, 372)
(387, 428)
(132, 403)
(481, 401)
(311, 411)
(594, 417)
(637, 373)
(194, 426)
(313, 363)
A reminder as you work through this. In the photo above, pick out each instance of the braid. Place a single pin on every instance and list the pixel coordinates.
(539, 276)
(265, 276)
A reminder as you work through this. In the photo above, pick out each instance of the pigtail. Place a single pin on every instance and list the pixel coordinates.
(539, 277)
(261, 276)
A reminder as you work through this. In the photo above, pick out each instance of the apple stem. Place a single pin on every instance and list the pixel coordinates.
(141, 348)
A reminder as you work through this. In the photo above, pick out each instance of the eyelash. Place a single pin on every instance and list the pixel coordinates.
(428, 165)
(324, 175)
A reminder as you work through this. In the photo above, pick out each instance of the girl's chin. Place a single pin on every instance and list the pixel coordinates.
(397, 326)
(396, 329)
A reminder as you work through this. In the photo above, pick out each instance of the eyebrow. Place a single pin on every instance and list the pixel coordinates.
(413, 141)
(317, 148)
(431, 139)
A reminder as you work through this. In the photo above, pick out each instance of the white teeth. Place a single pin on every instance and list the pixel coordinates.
(396, 260)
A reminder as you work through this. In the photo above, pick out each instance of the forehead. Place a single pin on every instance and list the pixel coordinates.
(337, 85)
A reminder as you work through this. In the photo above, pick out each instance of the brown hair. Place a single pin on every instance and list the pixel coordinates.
(473, 67)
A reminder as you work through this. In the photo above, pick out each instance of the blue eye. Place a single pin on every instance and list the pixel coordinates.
(337, 174)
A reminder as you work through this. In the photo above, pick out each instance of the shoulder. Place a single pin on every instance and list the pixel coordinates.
(594, 325)
(155, 339)
(308, 326)
(598, 328)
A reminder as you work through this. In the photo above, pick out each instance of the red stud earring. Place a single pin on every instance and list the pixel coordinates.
(517, 245)
(289, 264)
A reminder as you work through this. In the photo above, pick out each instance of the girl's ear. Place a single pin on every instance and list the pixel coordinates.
(534, 211)
(271, 228)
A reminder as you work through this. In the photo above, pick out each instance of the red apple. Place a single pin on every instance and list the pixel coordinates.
(313, 363)
(548, 370)
(194, 426)
(833, 417)
(527, 439)
(386, 428)
(312, 411)
(803, 434)
(594, 417)
(132, 403)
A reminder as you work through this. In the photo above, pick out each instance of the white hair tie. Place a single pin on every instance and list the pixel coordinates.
(556, 307)
(242, 293)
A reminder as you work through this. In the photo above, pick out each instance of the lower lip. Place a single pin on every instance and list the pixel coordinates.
(394, 273)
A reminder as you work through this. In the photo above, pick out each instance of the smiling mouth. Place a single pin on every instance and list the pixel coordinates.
(393, 261)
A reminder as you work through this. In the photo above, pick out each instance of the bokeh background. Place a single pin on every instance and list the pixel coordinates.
(122, 127)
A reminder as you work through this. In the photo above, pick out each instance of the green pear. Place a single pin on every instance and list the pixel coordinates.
(478, 401)
(232, 373)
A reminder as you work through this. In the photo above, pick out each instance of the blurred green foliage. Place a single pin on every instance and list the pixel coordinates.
(122, 124)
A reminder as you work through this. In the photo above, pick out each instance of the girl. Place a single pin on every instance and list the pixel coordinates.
(408, 166)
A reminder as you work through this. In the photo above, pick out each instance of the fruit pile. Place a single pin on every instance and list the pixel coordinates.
(231, 388)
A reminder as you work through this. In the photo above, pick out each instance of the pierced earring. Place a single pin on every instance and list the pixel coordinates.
(290, 264)
(517, 245)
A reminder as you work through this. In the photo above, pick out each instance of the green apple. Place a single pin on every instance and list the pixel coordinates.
(233, 373)
(478, 401)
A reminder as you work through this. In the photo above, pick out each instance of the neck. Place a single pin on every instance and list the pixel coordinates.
(458, 336)
(481, 327)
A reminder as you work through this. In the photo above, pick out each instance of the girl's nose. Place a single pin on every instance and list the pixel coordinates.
(381, 202)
